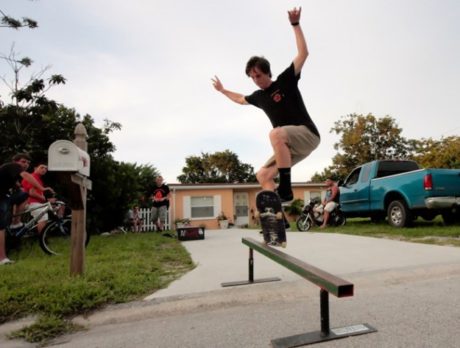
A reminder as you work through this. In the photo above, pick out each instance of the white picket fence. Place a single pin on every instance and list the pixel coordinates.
(148, 224)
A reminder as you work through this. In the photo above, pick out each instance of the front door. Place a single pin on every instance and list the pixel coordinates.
(240, 200)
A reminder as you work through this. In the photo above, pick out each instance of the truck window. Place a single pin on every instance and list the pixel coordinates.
(387, 168)
(366, 172)
(353, 177)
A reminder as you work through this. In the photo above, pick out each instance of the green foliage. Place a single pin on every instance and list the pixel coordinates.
(364, 139)
(119, 268)
(13, 23)
(116, 186)
(219, 167)
(45, 328)
(31, 122)
(444, 153)
(295, 208)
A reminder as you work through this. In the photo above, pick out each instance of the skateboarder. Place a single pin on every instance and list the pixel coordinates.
(294, 135)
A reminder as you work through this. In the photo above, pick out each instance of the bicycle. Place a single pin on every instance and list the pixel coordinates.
(55, 237)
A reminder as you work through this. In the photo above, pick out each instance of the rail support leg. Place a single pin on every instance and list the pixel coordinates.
(251, 275)
(326, 334)
(324, 303)
(251, 265)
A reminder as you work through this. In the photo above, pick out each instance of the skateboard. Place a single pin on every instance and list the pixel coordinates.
(270, 213)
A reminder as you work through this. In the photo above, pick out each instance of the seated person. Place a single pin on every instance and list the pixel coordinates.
(134, 219)
(36, 196)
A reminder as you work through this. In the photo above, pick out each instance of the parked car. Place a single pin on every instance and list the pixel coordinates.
(401, 191)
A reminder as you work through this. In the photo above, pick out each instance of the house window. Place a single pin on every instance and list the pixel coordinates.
(202, 207)
(315, 195)
(311, 195)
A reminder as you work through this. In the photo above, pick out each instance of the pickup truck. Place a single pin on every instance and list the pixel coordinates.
(401, 191)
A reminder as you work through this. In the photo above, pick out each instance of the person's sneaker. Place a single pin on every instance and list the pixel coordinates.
(6, 261)
(16, 226)
(16, 229)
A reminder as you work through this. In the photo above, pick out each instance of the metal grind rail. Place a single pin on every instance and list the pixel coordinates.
(327, 282)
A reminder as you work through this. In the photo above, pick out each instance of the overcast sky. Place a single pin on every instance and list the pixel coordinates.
(148, 64)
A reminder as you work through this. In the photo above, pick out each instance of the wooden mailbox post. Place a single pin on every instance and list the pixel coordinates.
(72, 162)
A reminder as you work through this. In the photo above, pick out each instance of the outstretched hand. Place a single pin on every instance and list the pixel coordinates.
(217, 84)
(294, 14)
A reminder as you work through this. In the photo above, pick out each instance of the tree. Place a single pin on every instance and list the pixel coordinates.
(364, 139)
(14, 23)
(444, 153)
(116, 187)
(219, 167)
(30, 122)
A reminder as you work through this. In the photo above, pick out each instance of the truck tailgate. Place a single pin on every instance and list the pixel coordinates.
(446, 182)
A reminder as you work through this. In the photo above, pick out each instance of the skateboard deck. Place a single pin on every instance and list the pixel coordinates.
(270, 213)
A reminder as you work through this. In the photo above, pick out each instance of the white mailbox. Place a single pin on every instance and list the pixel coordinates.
(65, 156)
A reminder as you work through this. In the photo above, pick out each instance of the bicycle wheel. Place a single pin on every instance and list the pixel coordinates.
(56, 240)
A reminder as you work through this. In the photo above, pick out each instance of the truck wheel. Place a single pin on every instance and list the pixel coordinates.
(448, 218)
(398, 214)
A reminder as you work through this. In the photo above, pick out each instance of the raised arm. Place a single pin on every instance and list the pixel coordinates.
(236, 97)
(302, 49)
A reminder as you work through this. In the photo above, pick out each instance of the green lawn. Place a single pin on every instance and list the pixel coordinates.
(119, 268)
(432, 232)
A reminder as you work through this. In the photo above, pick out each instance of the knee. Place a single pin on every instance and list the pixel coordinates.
(278, 136)
(266, 175)
(260, 175)
(263, 175)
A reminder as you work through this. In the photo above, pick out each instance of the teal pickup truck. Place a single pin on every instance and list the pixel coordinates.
(401, 191)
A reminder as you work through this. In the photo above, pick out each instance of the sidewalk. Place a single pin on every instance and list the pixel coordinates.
(408, 292)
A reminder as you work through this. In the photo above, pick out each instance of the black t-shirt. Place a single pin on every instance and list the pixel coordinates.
(9, 177)
(282, 102)
(160, 192)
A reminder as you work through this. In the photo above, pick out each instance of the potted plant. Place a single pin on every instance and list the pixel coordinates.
(182, 222)
(223, 220)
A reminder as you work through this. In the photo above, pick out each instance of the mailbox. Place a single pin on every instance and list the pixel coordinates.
(65, 156)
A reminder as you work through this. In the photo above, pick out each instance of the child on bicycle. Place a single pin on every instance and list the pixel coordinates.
(11, 194)
(37, 196)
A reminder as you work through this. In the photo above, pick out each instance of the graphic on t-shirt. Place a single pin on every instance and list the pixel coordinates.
(276, 96)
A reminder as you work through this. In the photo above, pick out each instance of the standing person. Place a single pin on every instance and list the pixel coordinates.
(294, 135)
(331, 201)
(160, 198)
(11, 194)
(36, 196)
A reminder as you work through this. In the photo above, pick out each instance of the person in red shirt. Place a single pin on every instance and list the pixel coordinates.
(12, 197)
(36, 196)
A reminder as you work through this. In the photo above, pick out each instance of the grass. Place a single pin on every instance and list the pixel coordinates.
(430, 232)
(119, 268)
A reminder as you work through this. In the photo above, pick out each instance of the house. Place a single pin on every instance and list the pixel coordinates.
(202, 203)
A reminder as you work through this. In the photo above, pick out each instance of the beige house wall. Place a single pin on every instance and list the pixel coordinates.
(224, 197)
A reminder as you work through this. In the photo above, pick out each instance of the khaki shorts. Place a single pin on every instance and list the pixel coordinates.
(159, 213)
(301, 142)
(38, 211)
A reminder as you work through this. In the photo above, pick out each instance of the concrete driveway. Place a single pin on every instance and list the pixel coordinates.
(409, 292)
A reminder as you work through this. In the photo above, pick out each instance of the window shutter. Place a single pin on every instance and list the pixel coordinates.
(217, 205)
(187, 208)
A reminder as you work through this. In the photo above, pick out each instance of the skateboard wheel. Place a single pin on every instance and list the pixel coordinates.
(279, 215)
(283, 245)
